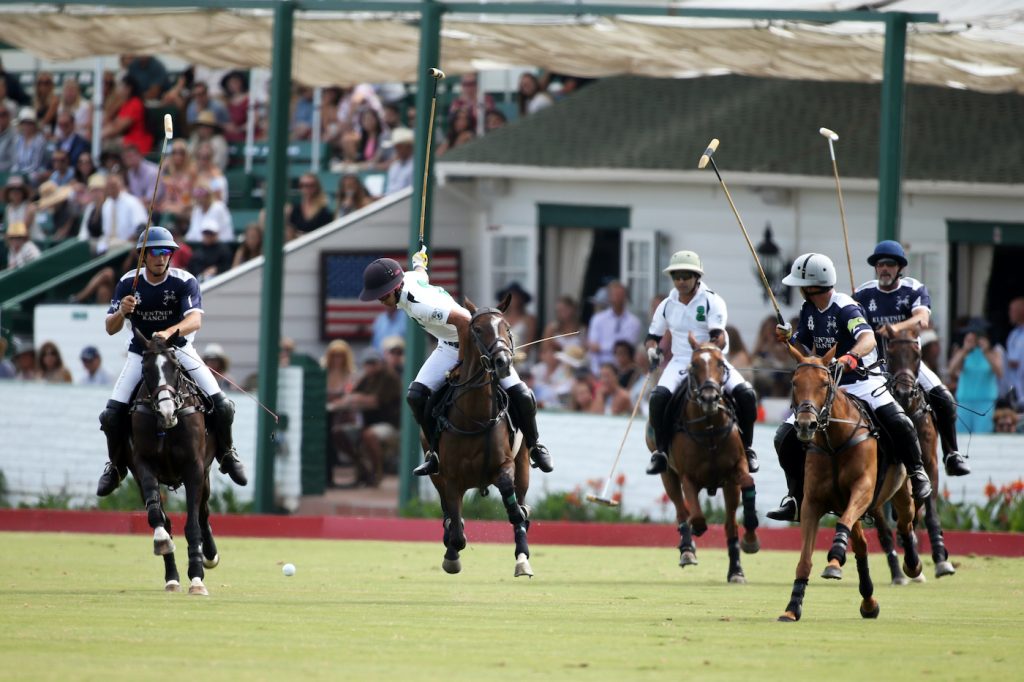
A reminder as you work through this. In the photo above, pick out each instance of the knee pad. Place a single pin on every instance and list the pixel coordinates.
(744, 396)
(523, 397)
(782, 434)
(223, 407)
(659, 400)
(113, 416)
(416, 397)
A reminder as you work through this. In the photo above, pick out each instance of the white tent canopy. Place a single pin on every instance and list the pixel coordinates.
(977, 45)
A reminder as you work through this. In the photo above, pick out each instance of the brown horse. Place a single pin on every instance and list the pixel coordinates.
(476, 448)
(169, 446)
(706, 452)
(903, 359)
(841, 474)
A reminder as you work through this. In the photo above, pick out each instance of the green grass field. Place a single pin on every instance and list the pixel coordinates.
(93, 607)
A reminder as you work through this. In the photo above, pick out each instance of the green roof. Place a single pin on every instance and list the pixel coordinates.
(765, 126)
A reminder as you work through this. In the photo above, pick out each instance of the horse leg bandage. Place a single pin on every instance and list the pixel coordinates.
(685, 537)
(796, 598)
(867, 588)
(749, 511)
(839, 544)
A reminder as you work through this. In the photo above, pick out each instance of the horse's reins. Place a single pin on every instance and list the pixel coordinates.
(823, 417)
(481, 378)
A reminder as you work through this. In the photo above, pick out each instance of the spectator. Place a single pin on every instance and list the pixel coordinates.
(1006, 419)
(522, 323)
(182, 256)
(55, 216)
(207, 129)
(301, 126)
(582, 396)
(207, 208)
(611, 325)
(378, 397)
(391, 322)
(18, 209)
(770, 355)
(7, 137)
(44, 101)
(530, 96)
(394, 353)
(110, 160)
(25, 364)
(572, 362)
(6, 102)
(219, 363)
(339, 364)
(31, 157)
(207, 170)
(84, 169)
(140, 174)
(977, 367)
(19, 249)
(150, 75)
(236, 97)
(567, 321)
(123, 215)
(310, 211)
(251, 246)
(177, 182)
(401, 167)
(13, 86)
(626, 366)
(1013, 376)
(931, 351)
(352, 195)
(366, 145)
(461, 129)
(330, 126)
(286, 347)
(211, 256)
(200, 102)
(113, 98)
(69, 145)
(63, 174)
(91, 227)
(494, 120)
(468, 99)
(129, 125)
(609, 396)
(7, 370)
(545, 383)
(738, 356)
(95, 375)
(78, 108)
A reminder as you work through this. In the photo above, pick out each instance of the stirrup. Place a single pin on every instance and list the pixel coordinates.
(752, 466)
(109, 481)
(955, 464)
(232, 466)
(788, 510)
(431, 465)
(658, 464)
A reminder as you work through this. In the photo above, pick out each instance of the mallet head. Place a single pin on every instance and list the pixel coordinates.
(437, 73)
(706, 156)
(168, 127)
(830, 134)
(602, 500)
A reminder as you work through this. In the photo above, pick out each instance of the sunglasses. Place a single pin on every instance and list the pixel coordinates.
(684, 275)
(886, 261)
(160, 252)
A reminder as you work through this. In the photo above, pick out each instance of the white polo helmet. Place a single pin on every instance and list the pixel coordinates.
(684, 260)
(811, 270)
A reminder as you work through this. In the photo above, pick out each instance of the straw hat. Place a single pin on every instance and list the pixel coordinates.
(27, 115)
(51, 194)
(97, 181)
(574, 356)
(214, 351)
(209, 119)
(401, 136)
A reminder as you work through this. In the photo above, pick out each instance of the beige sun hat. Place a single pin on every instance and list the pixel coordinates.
(51, 194)
(684, 260)
(574, 356)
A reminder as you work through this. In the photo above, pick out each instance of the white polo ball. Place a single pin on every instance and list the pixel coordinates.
(288, 569)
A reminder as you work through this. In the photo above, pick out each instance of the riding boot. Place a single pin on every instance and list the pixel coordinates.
(418, 396)
(223, 418)
(746, 414)
(656, 408)
(791, 454)
(525, 406)
(901, 431)
(944, 408)
(114, 423)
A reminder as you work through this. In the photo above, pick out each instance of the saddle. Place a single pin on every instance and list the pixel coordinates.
(442, 401)
(676, 405)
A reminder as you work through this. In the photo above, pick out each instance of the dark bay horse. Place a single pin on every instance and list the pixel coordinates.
(903, 358)
(841, 474)
(476, 448)
(706, 452)
(170, 447)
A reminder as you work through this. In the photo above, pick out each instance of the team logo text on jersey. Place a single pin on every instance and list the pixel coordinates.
(810, 323)
(830, 325)
(437, 315)
(170, 297)
(872, 306)
(701, 316)
(903, 301)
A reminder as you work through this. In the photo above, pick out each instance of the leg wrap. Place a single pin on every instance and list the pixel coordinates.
(839, 544)
(749, 511)
(514, 510)
(525, 407)
(796, 598)
(867, 588)
(657, 407)
(944, 408)
(903, 434)
(746, 411)
(685, 537)
(791, 454)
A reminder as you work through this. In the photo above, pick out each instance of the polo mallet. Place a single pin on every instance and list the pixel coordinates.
(832, 136)
(603, 497)
(704, 159)
(437, 75)
(168, 134)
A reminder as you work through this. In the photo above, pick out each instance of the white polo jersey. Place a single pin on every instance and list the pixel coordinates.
(429, 305)
(705, 312)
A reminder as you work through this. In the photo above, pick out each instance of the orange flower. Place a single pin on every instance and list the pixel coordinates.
(945, 493)
(620, 480)
(1017, 486)
(665, 498)
(990, 490)
(617, 498)
(572, 498)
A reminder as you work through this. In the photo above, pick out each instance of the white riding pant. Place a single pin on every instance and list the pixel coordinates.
(926, 378)
(676, 370)
(131, 373)
(871, 390)
(445, 356)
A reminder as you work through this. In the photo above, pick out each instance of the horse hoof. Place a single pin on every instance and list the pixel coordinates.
(750, 547)
(944, 568)
(699, 527)
(900, 580)
(172, 586)
(788, 617)
(914, 573)
(451, 566)
(918, 579)
(687, 558)
(738, 579)
(523, 566)
(198, 588)
(211, 563)
(162, 542)
(872, 610)
(832, 572)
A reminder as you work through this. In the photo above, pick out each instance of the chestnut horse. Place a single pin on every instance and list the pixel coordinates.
(706, 452)
(476, 448)
(170, 447)
(903, 360)
(841, 474)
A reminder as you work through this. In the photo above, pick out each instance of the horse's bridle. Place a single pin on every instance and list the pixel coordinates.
(823, 417)
(175, 392)
(499, 344)
(904, 377)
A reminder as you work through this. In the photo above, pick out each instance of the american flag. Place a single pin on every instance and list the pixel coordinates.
(343, 315)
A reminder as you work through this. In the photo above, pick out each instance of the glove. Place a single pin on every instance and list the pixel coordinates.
(654, 355)
(849, 362)
(419, 259)
(783, 332)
